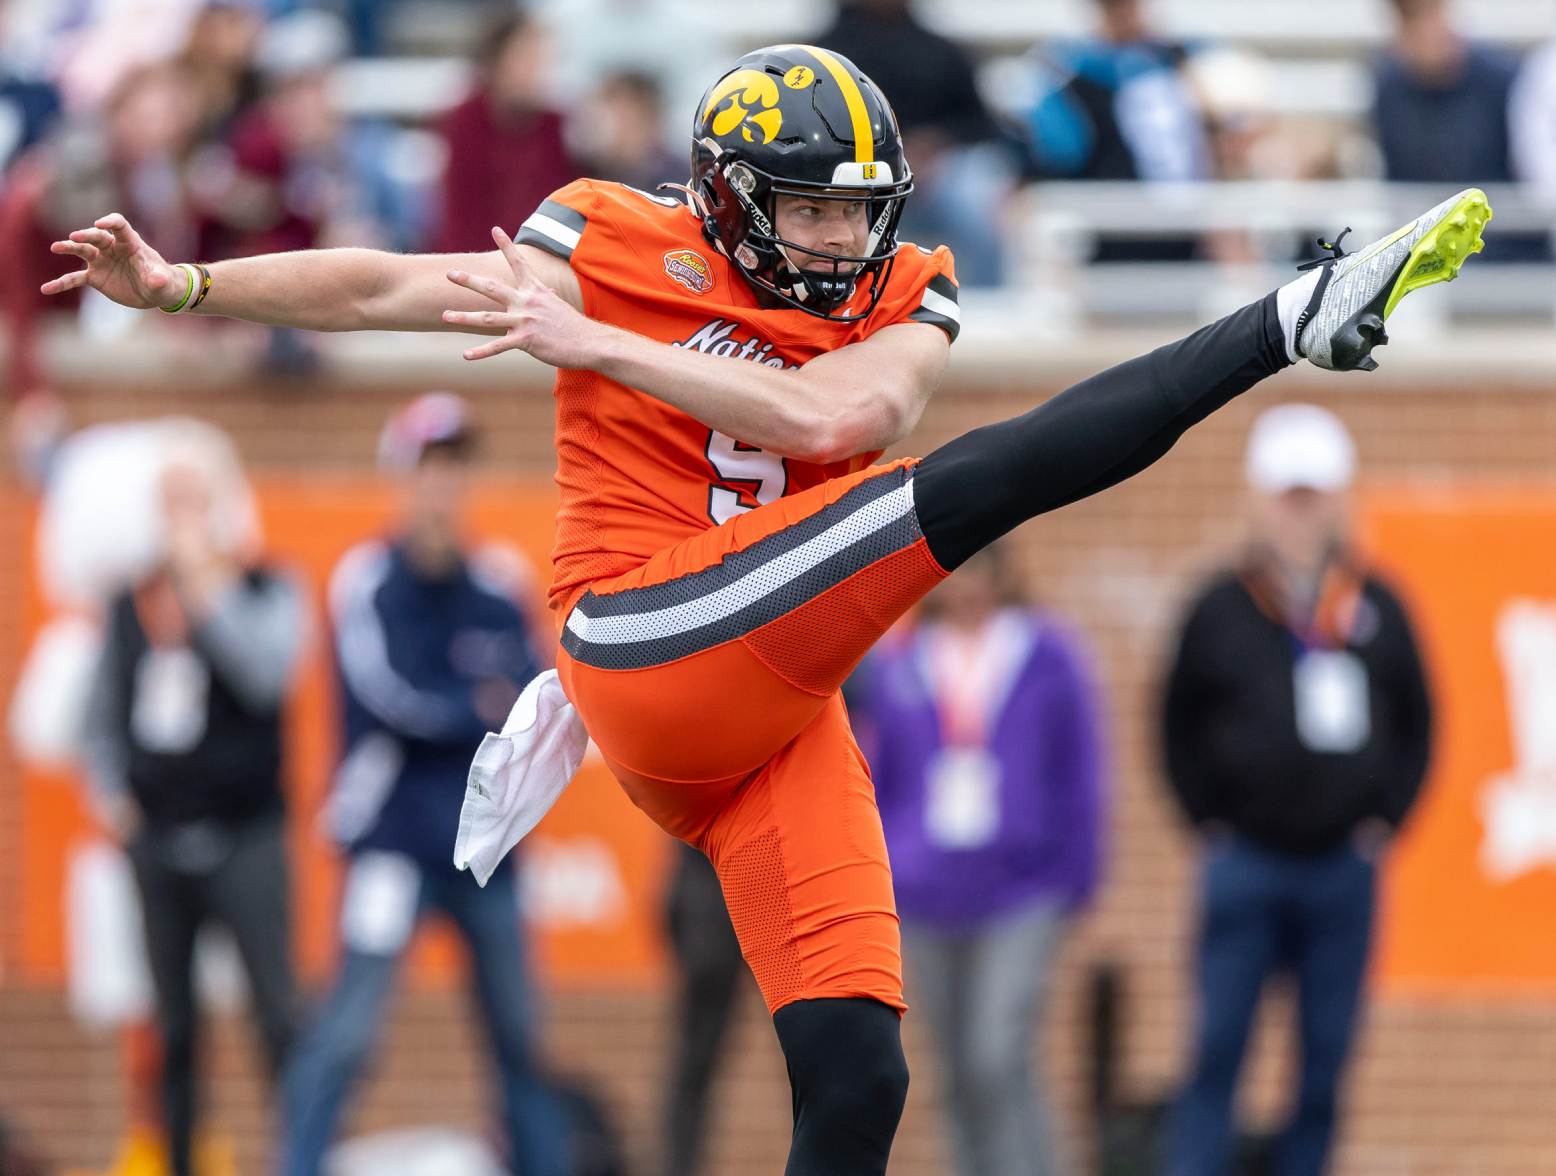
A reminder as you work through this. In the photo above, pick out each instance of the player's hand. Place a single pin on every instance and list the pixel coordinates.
(119, 264)
(531, 316)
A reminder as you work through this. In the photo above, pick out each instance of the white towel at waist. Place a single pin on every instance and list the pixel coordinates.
(516, 776)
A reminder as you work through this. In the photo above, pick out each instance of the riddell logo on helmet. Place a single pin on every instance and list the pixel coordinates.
(689, 268)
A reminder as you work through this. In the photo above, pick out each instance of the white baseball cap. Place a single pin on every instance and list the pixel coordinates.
(1295, 445)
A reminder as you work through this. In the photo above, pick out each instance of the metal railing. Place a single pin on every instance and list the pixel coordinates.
(1057, 227)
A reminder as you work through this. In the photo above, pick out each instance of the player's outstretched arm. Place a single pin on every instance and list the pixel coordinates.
(860, 398)
(317, 289)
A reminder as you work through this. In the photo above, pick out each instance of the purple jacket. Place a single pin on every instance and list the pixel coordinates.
(1033, 830)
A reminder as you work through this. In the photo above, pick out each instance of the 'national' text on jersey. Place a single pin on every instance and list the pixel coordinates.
(717, 337)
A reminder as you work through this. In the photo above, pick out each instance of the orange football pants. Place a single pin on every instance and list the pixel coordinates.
(709, 677)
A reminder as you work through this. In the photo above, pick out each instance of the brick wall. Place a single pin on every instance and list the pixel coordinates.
(1450, 1088)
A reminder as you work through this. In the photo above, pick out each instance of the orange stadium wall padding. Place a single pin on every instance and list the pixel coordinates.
(1469, 893)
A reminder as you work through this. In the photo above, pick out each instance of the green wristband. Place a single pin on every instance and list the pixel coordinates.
(188, 272)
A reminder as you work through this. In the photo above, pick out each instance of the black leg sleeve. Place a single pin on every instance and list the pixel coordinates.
(974, 489)
(849, 1080)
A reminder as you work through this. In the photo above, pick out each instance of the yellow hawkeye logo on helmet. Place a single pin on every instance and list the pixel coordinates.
(742, 90)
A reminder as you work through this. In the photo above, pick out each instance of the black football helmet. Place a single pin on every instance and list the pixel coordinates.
(800, 121)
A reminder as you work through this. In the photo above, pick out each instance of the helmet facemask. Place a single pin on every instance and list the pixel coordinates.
(740, 203)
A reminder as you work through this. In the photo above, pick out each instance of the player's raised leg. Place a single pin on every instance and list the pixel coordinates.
(1113, 425)
(700, 664)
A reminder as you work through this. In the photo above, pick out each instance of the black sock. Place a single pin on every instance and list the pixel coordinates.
(974, 489)
(849, 1080)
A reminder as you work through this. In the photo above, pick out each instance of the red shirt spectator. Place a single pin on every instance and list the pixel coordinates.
(506, 151)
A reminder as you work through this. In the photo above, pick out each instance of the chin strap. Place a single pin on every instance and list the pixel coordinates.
(694, 199)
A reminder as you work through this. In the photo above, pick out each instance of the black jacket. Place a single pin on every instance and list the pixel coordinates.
(193, 731)
(1234, 753)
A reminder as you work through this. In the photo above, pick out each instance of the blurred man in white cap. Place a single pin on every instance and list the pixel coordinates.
(1297, 730)
(432, 647)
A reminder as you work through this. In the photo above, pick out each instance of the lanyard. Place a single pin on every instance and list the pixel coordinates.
(970, 674)
(1330, 623)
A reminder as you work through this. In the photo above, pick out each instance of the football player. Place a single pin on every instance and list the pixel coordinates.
(732, 357)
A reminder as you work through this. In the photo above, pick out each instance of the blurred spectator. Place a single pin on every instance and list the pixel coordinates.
(293, 174)
(963, 170)
(183, 748)
(666, 39)
(1297, 731)
(219, 57)
(1441, 111)
(1250, 137)
(986, 755)
(1440, 108)
(133, 159)
(432, 650)
(1532, 121)
(288, 182)
(29, 104)
(1119, 107)
(709, 974)
(506, 151)
(92, 46)
(617, 136)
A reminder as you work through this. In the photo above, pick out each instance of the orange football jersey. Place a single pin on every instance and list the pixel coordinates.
(636, 475)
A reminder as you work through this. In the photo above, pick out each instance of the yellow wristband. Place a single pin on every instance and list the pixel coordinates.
(205, 286)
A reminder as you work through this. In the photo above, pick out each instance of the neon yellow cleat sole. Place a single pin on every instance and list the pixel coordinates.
(1442, 250)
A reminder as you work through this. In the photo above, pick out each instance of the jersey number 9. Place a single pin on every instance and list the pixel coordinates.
(744, 473)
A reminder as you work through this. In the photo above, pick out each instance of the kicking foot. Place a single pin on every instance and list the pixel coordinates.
(1353, 293)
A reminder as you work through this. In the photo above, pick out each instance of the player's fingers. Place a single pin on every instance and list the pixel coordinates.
(87, 253)
(499, 292)
(119, 225)
(114, 223)
(102, 238)
(495, 347)
(490, 320)
(61, 284)
(510, 250)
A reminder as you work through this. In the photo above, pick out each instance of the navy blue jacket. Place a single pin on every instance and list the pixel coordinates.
(412, 655)
(1445, 133)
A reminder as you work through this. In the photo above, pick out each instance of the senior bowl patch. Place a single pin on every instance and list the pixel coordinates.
(689, 268)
